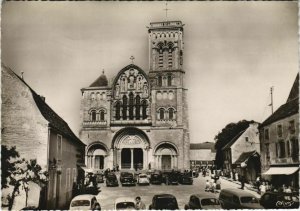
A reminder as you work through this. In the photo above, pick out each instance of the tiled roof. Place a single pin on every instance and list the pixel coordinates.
(54, 119)
(245, 156)
(230, 143)
(101, 81)
(286, 110)
(204, 145)
(294, 93)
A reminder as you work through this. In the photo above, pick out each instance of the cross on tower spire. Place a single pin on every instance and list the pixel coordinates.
(166, 11)
(132, 58)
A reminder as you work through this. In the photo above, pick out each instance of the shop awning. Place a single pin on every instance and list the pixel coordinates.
(281, 170)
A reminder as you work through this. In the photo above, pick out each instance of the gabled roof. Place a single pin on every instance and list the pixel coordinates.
(204, 145)
(291, 107)
(245, 156)
(54, 119)
(230, 143)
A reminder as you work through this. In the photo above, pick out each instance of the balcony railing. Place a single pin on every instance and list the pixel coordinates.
(131, 122)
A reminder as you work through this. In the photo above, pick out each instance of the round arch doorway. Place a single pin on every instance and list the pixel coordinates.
(96, 156)
(166, 155)
(131, 149)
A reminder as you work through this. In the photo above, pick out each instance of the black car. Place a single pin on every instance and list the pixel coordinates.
(202, 202)
(126, 178)
(171, 178)
(280, 200)
(111, 180)
(164, 202)
(99, 178)
(156, 177)
(185, 178)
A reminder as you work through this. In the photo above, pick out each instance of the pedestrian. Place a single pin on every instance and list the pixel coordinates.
(262, 188)
(258, 182)
(139, 205)
(283, 188)
(242, 182)
(288, 189)
(207, 185)
(149, 166)
(117, 167)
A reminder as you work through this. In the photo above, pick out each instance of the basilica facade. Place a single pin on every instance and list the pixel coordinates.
(140, 119)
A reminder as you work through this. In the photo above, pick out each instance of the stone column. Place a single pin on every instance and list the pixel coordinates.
(92, 161)
(176, 161)
(172, 162)
(159, 161)
(131, 162)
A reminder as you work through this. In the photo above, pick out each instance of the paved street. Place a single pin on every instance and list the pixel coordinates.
(182, 192)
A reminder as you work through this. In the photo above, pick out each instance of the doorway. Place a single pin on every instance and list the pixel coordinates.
(138, 158)
(166, 162)
(125, 158)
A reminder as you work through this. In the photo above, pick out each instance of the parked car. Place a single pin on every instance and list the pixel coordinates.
(85, 202)
(238, 199)
(171, 177)
(124, 203)
(185, 178)
(126, 178)
(111, 180)
(203, 201)
(164, 202)
(143, 179)
(91, 189)
(156, 177)
(280, 200)
(99, 178)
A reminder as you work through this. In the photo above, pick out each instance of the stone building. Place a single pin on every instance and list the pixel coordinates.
(279, 142)
(242, 154)
(202, 154)
(39, 133)
(140, 119)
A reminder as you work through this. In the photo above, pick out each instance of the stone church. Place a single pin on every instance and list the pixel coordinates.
(140, 120)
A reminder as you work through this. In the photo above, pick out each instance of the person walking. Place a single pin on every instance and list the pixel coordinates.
(262, 188)
(242, 182)
(139, 205)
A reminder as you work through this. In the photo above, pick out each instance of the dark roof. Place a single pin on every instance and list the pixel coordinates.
(286, 110)
(230, 143)
(101, 81)
(245, 156)
(289, 108)
(204, 145)
(54, 119)
(294, 93)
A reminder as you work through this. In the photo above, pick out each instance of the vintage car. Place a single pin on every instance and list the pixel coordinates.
(171, 177)
(185, 178)
(280, 200)
(85, 202)
(156, 177)
(126, 178)
(142, 179)
(164, 202)
(203, 202)
(124, 203)
(99, 178)
(111, 180)
(231, 198)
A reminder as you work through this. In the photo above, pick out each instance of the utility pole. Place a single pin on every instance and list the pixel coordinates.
(271, 104)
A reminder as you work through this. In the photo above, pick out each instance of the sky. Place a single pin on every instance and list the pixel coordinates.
(233, 53)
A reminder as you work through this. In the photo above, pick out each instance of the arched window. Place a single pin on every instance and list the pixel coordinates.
(169, 80)
(118, 110)
(137, 107)
(131, 102)
(159, 80)
(171, 113)
(161, 113)
(93, 115)
(144, 111)
(102, 115)
(160, 55)
(124, 112)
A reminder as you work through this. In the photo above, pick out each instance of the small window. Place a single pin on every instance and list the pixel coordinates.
(159, 80)
(246, 139)
(292, 126)
(266, 134)
(288, 148)
(102, 115)
(171, 113)
(281, 149)
(169, 80)
(93, 115)
(279, 130)
(161, 113)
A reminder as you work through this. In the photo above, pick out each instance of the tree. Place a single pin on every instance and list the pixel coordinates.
(18, 173)
(225, 136)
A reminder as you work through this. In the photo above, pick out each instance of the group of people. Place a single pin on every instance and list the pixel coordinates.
(213, 185)
(265, 186)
